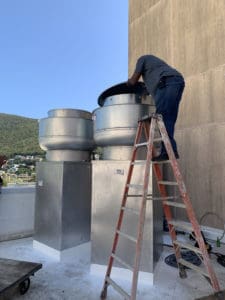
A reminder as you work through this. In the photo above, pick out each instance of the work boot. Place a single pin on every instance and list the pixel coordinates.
(164, 156)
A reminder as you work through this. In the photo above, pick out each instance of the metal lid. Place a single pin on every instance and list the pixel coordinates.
(69, 113)
(122, 88)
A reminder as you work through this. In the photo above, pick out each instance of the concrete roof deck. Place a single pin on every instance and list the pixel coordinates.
(71, 280)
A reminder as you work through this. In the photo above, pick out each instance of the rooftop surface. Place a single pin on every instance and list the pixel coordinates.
(71, 280)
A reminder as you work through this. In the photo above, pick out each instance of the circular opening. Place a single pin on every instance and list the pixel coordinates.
(122, 88)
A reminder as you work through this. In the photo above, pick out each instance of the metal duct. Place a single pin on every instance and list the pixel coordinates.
(115, 122)
(67, 135)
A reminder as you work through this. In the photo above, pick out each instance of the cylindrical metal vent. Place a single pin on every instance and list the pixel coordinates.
(67, 135)
(115, 122)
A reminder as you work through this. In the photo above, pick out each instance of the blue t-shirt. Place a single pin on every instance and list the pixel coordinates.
(152, 70)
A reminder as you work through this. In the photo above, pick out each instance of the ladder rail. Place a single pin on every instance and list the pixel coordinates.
(187, 202)
(168, 214)
(148, 127)
(167, 211)
(123, 204)
(166, 208)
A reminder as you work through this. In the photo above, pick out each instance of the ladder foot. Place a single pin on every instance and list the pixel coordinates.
(182, 272)
(103, 294)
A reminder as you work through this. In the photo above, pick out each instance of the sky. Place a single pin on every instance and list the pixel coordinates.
(60, 53)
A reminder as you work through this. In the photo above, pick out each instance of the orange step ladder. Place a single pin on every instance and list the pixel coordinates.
(147, 129)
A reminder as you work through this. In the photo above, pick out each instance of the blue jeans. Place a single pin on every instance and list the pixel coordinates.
(167, 99)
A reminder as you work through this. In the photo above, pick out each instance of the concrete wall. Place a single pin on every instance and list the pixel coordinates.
(16, 212)
(190, 35)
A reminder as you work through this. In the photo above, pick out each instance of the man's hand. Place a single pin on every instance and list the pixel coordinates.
(133, 79)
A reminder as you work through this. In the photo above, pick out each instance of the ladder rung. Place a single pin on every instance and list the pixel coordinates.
(180, 224)
(122, 262)
(141, 144)
(157, 139)
(146, 118)
(139, 195)
(140, 162)
(129, 237)
(131, 210)
(135, 186)
(187, 246)
(175, 204)
(118, 288)
(193, 267)
(161, 162)
(167, 182)
(162, 198)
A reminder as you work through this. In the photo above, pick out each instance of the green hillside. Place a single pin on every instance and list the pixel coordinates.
(18, 135)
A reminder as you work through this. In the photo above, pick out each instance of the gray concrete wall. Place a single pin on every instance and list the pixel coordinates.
(16, 212)
(190, 35)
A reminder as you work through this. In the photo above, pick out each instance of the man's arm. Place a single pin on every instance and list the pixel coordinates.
(134, 78)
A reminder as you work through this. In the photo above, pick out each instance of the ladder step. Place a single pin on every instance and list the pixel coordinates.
(129, 237)
(175, 204)
(181, 224)
(135, 186)
(193, 267)
(118, 288)
(167, 182)
(139, 195)
(140, 162)
(131, 210)
(187, 246)
(122, 262)
(157, 140)
(141, 144)
(146, 118)
(163, 198)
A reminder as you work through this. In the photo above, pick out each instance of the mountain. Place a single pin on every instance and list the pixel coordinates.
(18, 135)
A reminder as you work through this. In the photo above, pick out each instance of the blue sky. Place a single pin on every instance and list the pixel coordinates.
(60, 53)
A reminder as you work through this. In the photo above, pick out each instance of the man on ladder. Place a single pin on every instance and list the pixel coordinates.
(166, 86)
(148, 126)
